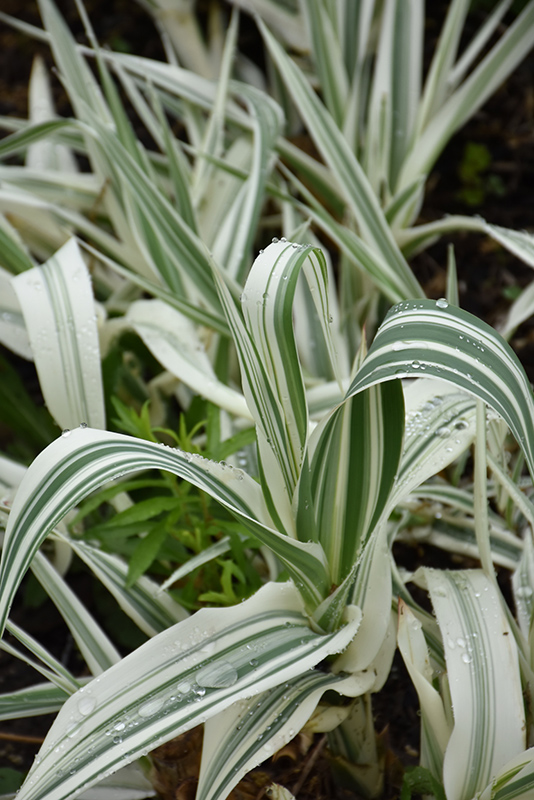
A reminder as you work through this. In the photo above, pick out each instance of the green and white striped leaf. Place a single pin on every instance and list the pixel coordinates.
(93, 643)
(175, 681)
(84, 90)
(234, 241)
(437, 340)
(82, 460)
(366, 258)
(515, 781)
(345, 168)
(173, 340)
(328, 59)
(270, 368)
(483, 678)
(43, 661)
(151, 610)
(42, 698)
(371, 590)
(439, 428)
(45, 154)
(435, 727)
(250, 731)
(58, 308)
(176, 251)
(13, 333)
(354, 456)
(452, 112)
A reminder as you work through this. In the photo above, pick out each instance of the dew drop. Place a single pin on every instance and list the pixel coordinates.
(66, 432)
(442, 303)
(86, 705)
(218, 675)
(467, 658)
(150, 708)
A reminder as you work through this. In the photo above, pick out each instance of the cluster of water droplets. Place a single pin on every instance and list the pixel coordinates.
(294, 245)
(465, 645)
(66, 432)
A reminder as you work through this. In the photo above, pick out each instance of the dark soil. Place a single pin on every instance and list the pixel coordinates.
(505, 126)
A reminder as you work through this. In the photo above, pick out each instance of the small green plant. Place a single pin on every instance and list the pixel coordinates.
(476, 182)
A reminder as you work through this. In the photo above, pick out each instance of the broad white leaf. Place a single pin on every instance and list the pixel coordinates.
(59, 312)
(173, 340)
(483, 678)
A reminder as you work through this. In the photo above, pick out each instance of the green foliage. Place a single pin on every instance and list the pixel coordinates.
(10, 780)
(30, 423)
(473, 173)
(420, 781)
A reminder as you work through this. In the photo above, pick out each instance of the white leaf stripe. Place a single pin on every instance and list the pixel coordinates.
(434, 339)
(175, 681)
(70, 468)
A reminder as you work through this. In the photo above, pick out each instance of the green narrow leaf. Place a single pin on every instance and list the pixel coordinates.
(515, 781)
